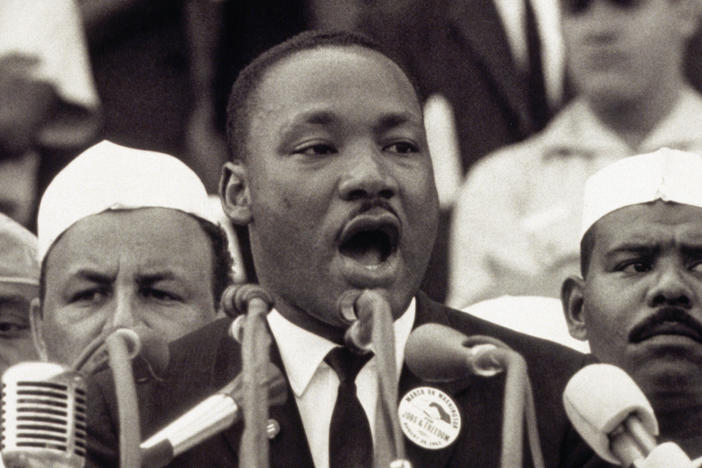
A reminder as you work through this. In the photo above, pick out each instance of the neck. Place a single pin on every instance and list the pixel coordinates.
(310, 323)
(634, 119)
(679, 416)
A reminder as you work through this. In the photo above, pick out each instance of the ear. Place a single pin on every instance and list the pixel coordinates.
(235, 194)
(572, 300)
(36, 323)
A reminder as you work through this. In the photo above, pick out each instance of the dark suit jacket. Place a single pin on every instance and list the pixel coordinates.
(458, 48)
(207, 359)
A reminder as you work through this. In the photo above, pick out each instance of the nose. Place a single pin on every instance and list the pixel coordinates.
(125, 313)
(367, 176)
(671, 288)
(600, 21)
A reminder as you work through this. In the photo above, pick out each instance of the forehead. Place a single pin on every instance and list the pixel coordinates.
(650, 224)
(350, 76)
(140, 239)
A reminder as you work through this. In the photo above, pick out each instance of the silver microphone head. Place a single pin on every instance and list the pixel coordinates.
(43, 416)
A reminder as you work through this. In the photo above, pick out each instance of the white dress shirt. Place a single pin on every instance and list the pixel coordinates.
(547, 14)
(315, 384)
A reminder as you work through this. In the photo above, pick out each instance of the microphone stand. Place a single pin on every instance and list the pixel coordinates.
(255, 355)
(518, 404)
(120, 362)
(374, 313)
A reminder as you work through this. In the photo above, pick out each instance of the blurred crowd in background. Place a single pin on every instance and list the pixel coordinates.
(155, 74)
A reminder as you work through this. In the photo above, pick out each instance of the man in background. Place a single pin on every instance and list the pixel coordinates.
(125, 240)
(19, 284)
(638, 300)
(50, 109)
(515, 223)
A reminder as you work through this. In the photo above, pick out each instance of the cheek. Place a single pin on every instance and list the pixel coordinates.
(63, 330)
(18, 350)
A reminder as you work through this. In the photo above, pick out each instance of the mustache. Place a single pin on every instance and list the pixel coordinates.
(667, 314)
(368, 205)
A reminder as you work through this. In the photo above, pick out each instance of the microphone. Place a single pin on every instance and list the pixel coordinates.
(214, 414)
(615, 418)
(438, 353)
(358, 317)
(44, 416)
(141, 343)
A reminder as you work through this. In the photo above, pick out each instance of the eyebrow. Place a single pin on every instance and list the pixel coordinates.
(92, 275)
(396, 119)
(323, 117)
(631, 247)
(314, 117)
(151, 278)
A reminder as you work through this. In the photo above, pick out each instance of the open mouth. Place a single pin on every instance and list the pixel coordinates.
(369, 241)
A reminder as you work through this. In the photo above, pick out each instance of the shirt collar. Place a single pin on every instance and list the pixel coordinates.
(680, 127)
(302, 351)
(577, 130)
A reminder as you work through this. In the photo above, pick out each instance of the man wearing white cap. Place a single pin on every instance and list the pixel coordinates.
(19, 284)
(515, 223)
(125, 239)
(639, 300)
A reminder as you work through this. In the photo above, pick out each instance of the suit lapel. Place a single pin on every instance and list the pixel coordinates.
(290, 443)
(479, 24)
(429, 312)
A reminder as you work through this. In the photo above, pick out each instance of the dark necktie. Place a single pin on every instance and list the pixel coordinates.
(538, 104)
(350, 440)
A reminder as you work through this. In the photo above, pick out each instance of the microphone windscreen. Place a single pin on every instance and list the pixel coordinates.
(600, 397)
(154, 350)
(43, 416)
(438, 353)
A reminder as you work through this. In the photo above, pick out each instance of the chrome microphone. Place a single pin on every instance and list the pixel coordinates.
(438, 353)
(43, 415)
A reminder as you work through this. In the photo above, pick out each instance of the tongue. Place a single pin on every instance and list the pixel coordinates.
(365, 256)
(365, 249)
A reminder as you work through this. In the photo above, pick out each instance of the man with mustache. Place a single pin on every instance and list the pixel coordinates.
(331, 174)
(515, 223)
(638, 301)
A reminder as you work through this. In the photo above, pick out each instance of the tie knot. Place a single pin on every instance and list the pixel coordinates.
(346, 363)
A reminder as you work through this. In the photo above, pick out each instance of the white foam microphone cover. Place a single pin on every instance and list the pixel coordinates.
(600, 397)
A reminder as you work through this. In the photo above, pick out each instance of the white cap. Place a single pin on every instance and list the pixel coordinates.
(107, 176)
(667, 174)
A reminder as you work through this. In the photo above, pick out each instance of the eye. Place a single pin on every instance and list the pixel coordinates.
(402, 147)
(635, 266)
(160, 295)
(695, 265)
(315, 149)
(12, 328)
(89, 296)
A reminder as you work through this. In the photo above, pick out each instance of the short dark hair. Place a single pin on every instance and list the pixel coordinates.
(221, 259)
(239, 107)
(587, 246)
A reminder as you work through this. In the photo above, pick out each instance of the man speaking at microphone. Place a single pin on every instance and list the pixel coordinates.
(330, 172)
(639, 300)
